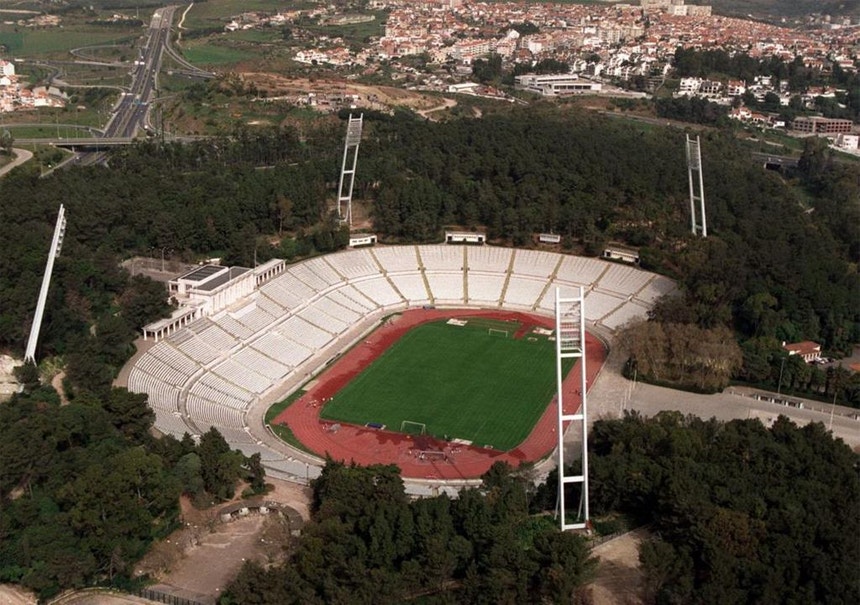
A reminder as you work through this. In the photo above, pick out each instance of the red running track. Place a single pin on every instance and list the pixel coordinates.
(370, 446)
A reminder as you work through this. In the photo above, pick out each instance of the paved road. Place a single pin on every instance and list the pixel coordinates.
(21, 156)
(612, 394)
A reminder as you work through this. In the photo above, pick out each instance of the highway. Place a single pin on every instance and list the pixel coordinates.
(131, 112)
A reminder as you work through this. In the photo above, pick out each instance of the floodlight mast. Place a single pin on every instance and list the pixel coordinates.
(56, 246)
(570, 344)
(350, 158)
(697, 194)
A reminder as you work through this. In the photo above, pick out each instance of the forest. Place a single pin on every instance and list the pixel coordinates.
(368, 543)
(85, 488)
(735, 513)
(739, 513)
(780, 263)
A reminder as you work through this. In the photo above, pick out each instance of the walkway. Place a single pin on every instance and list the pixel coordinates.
(21, 156)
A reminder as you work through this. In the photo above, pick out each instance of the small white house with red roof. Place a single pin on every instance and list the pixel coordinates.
(808, 350)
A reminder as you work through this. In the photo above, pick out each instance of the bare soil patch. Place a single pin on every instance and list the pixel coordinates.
(275, 85)
(620, 579)
(201, 559)
(15, 595)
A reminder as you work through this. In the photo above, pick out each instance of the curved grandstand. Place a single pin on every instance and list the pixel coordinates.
(223, 370)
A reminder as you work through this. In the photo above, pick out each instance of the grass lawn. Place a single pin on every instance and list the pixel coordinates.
(461, 382)
(33, 42)
(211, 54)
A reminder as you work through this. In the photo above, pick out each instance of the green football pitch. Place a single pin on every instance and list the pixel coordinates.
(471, 382)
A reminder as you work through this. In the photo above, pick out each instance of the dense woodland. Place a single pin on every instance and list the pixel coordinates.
(368, 543)
(739, 513)
(780, 263)
(736, 513)
(85, 489)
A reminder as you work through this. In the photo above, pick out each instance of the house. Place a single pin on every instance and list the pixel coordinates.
(808, 350)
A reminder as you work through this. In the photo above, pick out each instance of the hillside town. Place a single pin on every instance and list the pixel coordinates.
(15, 95)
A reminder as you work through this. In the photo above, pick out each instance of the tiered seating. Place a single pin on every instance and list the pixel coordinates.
(300, 331)
(411, 285)
(198, 350)
(242, 376)
(350, 299)
(399, 259)
(323, 270)
(446, 287)
(485, 288)
(600, 304)
(626, 312)
(654, 289)
(215, 388)
(217, 338)
(328, 306)
(206, 414)
(488, 259)
(523, 292)
(280, 295)
(441, 258)
(330, 324)
(289, 282)
(268, 306)
(547, 303)
(166, 353)
(623, 280)
(352, 264)
(235, 437)
(254, 317)
(262, 364)
(163, 397)
(285, 351)
(171, 424)
(580, 270)
(534, 263)
(237, 329)
(308, 277)
(379, 290)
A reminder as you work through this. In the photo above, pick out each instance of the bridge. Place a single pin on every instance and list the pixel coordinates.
(775, 162)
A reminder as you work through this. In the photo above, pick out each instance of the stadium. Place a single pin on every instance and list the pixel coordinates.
(310, 330)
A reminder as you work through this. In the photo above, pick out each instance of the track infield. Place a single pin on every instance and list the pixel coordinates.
(485, 382)
(367, 445)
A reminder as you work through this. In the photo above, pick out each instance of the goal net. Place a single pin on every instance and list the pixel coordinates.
(497, 332)
(413, 428)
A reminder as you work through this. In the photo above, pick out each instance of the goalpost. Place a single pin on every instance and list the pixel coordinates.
(497, 332)
(413, 428)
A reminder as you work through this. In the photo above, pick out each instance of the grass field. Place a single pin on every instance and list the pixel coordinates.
(461, 382)
(35, 42)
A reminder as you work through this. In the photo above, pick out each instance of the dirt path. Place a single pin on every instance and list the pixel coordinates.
(21, 156)
(57, 383)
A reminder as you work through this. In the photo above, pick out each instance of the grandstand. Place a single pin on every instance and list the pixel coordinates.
(212, 371)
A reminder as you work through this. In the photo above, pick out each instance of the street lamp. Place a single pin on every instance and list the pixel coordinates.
(779, 386)
(162, 256)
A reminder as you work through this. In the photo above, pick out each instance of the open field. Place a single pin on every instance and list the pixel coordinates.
(215, 13)
(202, 53)
(39, 42)
(461, 382)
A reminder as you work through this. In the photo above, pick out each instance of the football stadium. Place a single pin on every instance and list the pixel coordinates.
(438, 358)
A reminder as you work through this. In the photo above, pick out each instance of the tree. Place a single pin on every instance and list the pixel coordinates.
(7, 141)
(143, 301)
(219, 466)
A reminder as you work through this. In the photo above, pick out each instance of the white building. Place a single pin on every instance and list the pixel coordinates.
(556, 84)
